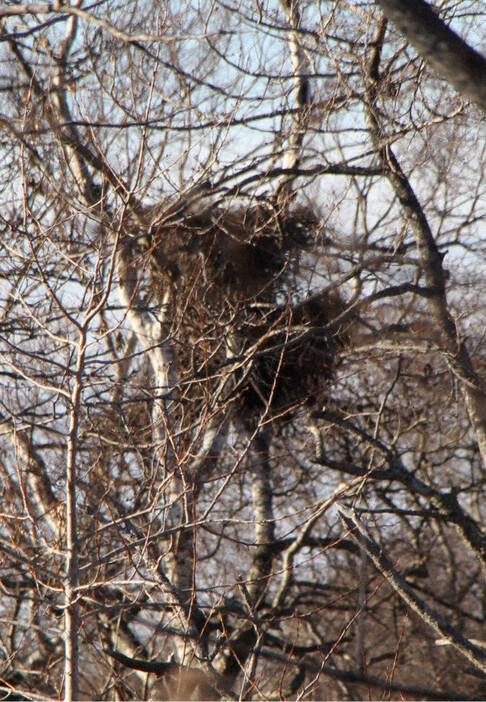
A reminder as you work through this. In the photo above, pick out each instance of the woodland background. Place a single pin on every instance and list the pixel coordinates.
(242, 358)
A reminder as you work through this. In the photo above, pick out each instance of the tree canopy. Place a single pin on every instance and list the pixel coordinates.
(242, 367)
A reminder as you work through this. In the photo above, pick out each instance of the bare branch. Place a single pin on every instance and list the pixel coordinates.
(452, 57)
(425, 612)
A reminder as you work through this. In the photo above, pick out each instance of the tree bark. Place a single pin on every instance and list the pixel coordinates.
(453, 348)
(451, 56)
(425, 612)
(302, 96)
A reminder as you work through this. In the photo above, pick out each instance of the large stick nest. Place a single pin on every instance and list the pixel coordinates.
(229, 271)
(231, 254)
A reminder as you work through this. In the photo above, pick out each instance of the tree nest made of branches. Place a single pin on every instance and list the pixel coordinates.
(231, 272)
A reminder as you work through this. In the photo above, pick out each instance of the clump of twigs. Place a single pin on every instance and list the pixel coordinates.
(227, 270)
(231, 254)
(294, 353)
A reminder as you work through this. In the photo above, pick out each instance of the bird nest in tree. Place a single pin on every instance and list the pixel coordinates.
(294, 354)
(228, 270)
(228, 255)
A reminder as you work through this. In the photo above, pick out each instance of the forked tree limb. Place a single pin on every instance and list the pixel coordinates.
(452, 57)
(429, 615)
(150, 333)
(453, 348)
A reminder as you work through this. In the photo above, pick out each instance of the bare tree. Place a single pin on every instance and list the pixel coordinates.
(241, 351)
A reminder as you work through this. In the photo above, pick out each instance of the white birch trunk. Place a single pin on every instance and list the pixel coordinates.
(301, 69)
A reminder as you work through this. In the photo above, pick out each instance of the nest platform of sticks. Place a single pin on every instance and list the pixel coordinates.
(228, 269)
